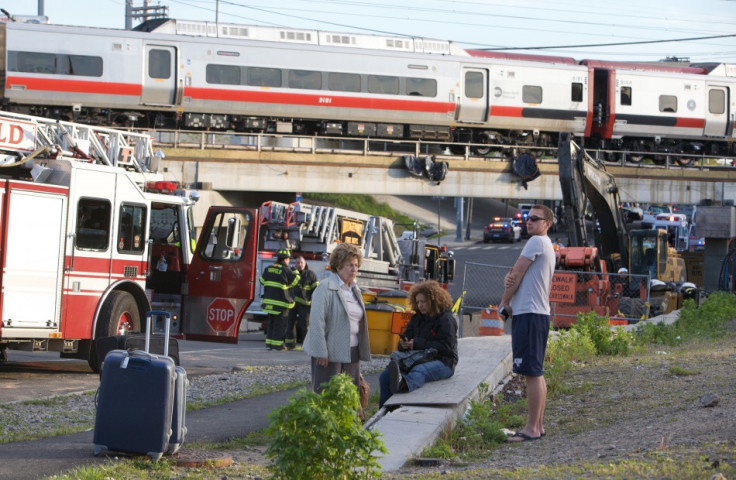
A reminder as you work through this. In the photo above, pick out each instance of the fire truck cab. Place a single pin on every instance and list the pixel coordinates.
(92, 237)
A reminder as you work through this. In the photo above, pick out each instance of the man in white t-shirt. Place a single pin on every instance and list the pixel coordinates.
(526, 299)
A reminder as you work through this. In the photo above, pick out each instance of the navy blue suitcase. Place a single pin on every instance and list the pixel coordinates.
(136, 401)
(135, 404)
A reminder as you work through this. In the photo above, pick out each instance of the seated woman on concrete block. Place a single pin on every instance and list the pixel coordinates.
(433, 326)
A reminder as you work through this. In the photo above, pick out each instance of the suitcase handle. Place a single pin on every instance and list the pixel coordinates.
(167, 327)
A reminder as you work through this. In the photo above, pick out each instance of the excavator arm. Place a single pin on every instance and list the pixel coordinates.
(584, 180)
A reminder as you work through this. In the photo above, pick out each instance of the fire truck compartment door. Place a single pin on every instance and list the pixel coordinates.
(32, 261)
(222, 275)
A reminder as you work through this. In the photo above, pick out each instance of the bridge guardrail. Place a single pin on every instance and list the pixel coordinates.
(382, 147)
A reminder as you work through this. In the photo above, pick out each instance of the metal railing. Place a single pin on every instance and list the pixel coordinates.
(315, 144)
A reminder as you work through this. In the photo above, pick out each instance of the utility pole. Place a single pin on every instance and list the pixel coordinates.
(144, 13)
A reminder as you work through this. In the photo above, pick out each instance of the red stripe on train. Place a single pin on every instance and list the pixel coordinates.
(74, 86)
(504, 111)
(325, 100)
(690, 122)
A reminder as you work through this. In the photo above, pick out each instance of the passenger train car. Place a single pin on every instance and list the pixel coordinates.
(185, 74)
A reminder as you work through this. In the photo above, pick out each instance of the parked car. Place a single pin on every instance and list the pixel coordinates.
(502, 228)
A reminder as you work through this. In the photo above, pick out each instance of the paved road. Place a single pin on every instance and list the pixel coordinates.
(30, 375)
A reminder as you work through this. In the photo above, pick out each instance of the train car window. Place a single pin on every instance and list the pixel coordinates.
(576, 94)
(531, 94)
(343, 82)
(383, 84)
(264, 77)
(716, 101)
(93, 224)
(474, 85)
(223, 74)
(424, 87)
(667, 103)
(84, 65)
(130, 231)
(159, 63)
(32, 62)
(626, 96)
(306, 79)
(51, 63)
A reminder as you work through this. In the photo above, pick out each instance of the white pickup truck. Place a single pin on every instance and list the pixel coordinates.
(651, 212)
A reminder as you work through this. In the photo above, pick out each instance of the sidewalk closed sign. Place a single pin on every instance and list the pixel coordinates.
(563, 287)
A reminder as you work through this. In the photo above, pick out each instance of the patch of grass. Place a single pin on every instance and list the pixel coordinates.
(16, 427)
(363, 203)
(257, 390)
(682, 372)
(164, 469)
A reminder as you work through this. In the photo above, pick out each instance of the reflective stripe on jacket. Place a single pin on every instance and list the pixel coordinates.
(277, 280)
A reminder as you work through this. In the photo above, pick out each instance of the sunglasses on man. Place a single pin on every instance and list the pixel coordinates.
(533, 218)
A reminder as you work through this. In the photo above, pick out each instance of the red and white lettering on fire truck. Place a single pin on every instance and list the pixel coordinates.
(92, 237)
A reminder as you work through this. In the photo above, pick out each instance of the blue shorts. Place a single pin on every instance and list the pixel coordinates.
(529, 332)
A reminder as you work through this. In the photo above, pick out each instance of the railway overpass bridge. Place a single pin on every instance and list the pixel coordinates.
(279, 163)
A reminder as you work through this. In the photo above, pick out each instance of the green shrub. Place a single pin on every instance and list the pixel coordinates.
(564, 349)
(606, 341)
(320, 436)
(705, 321)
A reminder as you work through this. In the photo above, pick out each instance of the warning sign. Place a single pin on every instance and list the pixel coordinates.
(563, 287)
(221, 315)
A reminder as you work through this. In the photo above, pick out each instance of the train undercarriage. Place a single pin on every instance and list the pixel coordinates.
(481, 141)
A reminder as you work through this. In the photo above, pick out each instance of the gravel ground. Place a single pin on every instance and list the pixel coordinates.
(677, 402)
(78, 410)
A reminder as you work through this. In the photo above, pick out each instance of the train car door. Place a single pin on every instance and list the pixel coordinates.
(221, 279)
(474, 99)
(718, 119)
(159, 79)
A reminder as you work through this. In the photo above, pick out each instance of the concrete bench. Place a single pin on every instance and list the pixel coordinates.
(412, 421)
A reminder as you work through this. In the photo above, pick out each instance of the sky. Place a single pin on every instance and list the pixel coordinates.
(621, 30)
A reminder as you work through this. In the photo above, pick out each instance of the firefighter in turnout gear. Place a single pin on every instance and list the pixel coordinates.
(277, 280)
(298, 322)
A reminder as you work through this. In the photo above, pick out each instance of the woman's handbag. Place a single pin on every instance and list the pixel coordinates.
(411, 358)
(364, 391)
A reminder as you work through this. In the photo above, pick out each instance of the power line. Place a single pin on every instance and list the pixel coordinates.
(643, 42)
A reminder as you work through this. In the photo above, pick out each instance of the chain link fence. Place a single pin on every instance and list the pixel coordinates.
(623, 298)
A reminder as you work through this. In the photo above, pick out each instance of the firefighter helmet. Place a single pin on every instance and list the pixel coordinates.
(283, 253)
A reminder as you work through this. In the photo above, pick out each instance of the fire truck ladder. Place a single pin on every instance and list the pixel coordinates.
(44, 137)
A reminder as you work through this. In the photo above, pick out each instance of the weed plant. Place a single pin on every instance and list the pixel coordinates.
(320, 436)
(705, 321)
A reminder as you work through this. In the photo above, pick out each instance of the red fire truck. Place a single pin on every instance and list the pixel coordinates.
(92, 237)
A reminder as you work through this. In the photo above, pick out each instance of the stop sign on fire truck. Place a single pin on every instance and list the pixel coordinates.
(221, 315)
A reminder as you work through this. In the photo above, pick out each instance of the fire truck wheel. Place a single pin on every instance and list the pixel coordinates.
(119, 314)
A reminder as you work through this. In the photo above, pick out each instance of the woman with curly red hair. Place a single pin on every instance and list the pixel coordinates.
(432, 326)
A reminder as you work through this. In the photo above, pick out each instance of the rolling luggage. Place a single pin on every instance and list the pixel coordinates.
(136, 401)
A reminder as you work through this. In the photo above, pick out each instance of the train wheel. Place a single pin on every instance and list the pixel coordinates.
(635, 158)
(119, 314)
(482, 151)
(685, 161)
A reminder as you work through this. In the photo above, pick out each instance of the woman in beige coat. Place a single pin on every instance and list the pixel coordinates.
(337, 338)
